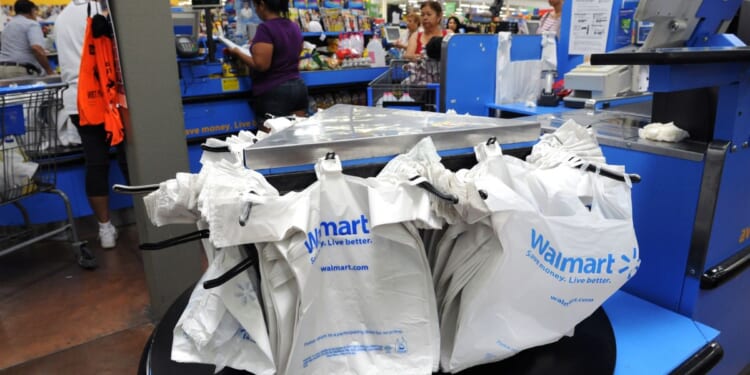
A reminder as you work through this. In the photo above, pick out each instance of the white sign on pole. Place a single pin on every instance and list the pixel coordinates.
(589, 26)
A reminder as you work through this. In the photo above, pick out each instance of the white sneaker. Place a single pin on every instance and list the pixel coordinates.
(107, 236)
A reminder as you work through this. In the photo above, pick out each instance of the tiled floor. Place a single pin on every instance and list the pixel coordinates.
(56, 318)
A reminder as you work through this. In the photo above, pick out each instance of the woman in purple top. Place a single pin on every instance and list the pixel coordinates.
(278, 89)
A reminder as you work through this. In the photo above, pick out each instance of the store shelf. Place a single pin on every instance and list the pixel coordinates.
(343, 76)
(330, 34)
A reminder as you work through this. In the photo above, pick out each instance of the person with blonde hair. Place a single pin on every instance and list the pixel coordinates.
(413, 22)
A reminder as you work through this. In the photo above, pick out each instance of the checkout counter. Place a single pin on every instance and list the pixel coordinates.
(628, 335)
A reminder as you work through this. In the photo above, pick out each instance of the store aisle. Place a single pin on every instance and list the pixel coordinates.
(58, 318)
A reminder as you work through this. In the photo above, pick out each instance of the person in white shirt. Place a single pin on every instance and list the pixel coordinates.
(245, 14)
(550, 22)
(70, 28)
(22, 49)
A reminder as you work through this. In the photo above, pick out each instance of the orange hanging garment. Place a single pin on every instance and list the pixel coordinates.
(97, 88)
(90, 97)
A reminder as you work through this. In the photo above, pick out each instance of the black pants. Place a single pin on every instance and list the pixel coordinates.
(282, 100)
(96, 155)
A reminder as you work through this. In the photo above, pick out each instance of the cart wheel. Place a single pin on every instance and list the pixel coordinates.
(84, 257)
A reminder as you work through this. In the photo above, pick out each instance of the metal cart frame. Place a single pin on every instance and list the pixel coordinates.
(28, 162)
(418, 79)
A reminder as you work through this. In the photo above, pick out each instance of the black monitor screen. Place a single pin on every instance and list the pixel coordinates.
(392, 33)
(206, 3)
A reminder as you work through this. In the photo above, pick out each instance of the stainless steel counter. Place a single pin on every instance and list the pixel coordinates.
(356, 133)
(620, 129)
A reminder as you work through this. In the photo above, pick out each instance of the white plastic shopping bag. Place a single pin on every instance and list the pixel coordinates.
(556, 269)
(520, 81)
(200, 318)
(365, 301)
(250, 349)
(67, 134)
(224, 326)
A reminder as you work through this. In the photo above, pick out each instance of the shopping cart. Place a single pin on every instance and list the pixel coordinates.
(407, 85)
(28, 163)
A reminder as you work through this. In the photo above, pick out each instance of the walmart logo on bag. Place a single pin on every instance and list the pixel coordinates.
(329, 233)
(552, 260)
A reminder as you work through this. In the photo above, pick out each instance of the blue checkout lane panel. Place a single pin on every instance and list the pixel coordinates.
(523, 109)
(664, 206)
(217, 118)
(196, 87)
(731, 229)
(727, 309)
(651, 339)
(469, 90)
(49, 208)
(341, 77)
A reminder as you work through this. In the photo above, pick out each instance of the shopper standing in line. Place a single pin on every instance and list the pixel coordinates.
(70, 28)
(22, 51)
(550, 22)
(413, 22)
(278, 89)
(453, 24)
(432, 18)
(244, 16)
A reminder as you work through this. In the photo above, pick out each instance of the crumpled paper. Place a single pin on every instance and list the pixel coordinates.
(658, 131)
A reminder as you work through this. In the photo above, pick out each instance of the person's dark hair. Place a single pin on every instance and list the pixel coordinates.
(455, 19)
(24, 7)
(434, 5)
(434, 47)
(277, 6)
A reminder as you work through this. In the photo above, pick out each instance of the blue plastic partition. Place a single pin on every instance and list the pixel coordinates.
(663, 247)
(468, 72)
(48, 208)
(469, 69)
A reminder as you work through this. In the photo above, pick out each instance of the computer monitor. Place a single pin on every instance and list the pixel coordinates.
(391, 34)
(186, 23)
(206, 4)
